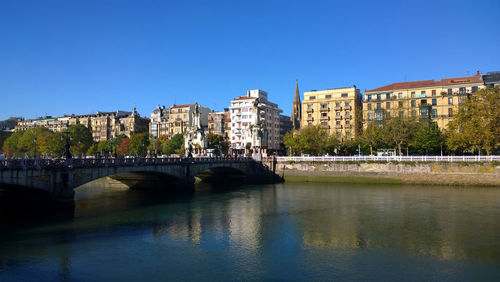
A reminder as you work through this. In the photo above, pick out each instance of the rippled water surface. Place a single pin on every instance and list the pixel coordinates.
(271, 232)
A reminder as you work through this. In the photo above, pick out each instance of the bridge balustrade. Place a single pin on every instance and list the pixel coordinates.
(106, 162)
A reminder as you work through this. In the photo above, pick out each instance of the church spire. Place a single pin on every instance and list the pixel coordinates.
(297, 108)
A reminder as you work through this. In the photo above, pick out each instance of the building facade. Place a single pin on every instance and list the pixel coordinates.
(255, 122)
(427, 99)
(286, 125)
(219, 123)
(337, 110)
(181, 116)
(103, 125)
(159, 122)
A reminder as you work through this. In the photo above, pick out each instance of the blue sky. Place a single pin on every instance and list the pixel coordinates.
(79, 57)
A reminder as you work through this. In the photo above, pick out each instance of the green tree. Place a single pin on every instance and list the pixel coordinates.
(175, 145)
(214, 140)
(312, 139)
(103, 147)
(398, 132)
(476, 125)
(10, 146)
(373, 137)
(81, 139)
(139, 144)
(36, 139)
(428, 138)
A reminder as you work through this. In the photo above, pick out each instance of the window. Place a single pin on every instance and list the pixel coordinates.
(324, 115)
(344, 95)
(461, 90)
(337, 104)
(369, 116)
(312, 97)
(338, 122)
(450, 112)
(388, 96)
(378, 96)
(413, 94)
(434, 113)
(379, 106)
(369, 106)
(328, 96)
(450, 101)
(400, 104)
(324, 123)
(433, 92)
(400, 95)
(347, 104)
(450, 91)
(337, 114)
(388, 105)
(346, 113)
(369, 97)
(413, 103)
(400, 114)
(422, 92)
(180, 111)
(474, 89)
(185, 116)
(309, 115)
(434, 102)
(324, 106)
(309, 107)
(347, 122)
(178, 116)
(413, 113)
(387, 115)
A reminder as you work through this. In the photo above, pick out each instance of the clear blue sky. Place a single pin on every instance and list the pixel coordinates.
(79, 57)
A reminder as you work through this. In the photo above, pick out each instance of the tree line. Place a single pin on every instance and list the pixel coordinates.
(40, 142)
(475, 128)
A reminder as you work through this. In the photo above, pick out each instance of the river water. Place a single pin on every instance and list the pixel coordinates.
(291, 231)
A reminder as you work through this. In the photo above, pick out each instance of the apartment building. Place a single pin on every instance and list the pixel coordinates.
(180, 118)
(219, 123)
(103, 125)
(337, 110)
(255, 122)
(159, 122)
(426, 99)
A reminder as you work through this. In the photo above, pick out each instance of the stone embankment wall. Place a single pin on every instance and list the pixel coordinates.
(442, 173)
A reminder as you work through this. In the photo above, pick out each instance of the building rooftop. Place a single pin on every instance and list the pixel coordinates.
(430, 83)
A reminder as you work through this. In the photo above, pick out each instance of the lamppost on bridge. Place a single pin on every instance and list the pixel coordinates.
(34, 141)
(66, 138)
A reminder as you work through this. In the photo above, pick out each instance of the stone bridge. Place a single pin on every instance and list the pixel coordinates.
(60, 177)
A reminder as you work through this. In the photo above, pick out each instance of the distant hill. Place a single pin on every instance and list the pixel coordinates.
(9, 123)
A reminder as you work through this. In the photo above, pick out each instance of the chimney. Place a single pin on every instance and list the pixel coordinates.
(478, 73)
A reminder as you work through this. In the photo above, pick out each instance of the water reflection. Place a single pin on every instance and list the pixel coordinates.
(285, 231)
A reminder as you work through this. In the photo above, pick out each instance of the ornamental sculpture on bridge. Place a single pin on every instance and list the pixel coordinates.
(195, 137)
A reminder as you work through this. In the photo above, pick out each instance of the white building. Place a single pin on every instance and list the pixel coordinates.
(246, 131)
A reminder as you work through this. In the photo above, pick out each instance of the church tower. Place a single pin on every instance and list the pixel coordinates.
(297, 108)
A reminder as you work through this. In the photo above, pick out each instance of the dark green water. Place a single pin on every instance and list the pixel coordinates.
(271, 232)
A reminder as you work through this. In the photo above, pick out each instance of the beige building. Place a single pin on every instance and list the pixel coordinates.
(336, 109)
(103, 125)
(426, 99)
(180, 118)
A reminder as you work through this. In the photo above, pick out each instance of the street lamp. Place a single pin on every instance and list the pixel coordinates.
(34, 141)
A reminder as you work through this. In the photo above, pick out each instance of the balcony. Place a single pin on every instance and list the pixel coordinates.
(325, 118)
(338, 126)
(310, 111)
(339, 108)
(348, 126)
(338, 117)
(348, 117)
(310, 119)
(324, 109)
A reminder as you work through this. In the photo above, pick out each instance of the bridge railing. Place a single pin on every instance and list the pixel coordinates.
(107, 162)
(391, 158)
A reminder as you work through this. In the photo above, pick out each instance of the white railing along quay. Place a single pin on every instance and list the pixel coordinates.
(391, 158)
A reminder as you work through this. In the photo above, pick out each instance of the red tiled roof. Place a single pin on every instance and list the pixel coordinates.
(405, 85)
(181, 106)
(429, 83)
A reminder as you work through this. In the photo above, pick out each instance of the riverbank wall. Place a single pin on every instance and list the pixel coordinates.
(432, 173)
